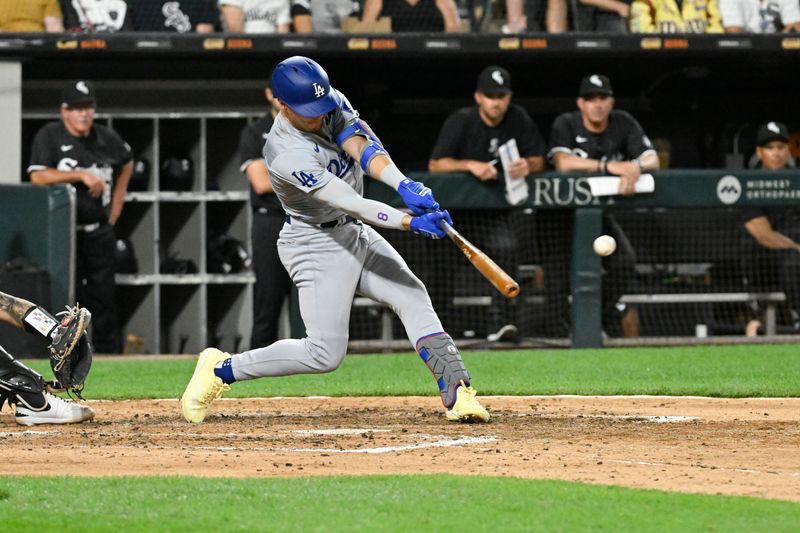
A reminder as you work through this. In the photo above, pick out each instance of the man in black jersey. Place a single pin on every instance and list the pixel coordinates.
(602, 140)
(97, 161)
(469, 142)
(771, 253)
(273, 284)
(182, 16)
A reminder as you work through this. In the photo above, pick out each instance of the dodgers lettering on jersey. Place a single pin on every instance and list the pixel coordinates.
(300, 162)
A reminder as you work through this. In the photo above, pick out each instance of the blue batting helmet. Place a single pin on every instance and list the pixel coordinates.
(303, 85)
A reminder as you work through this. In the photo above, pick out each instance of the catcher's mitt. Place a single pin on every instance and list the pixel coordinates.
(71, 350)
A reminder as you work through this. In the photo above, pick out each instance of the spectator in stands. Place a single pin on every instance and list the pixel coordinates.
(90, 16)
(469, 142)
(606, 16)
(535, 16)
(771, 250)
(98, 162)
(31, 15)
(182, 16)
(760, 16)
(415, 15)
(321, 16)
(256, 16)
(675, 16)
(601, 140)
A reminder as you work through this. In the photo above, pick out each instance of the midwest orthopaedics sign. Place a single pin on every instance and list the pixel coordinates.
(731, 189)
(777, 189)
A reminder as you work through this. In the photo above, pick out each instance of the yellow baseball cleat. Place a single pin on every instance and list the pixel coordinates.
(204, 387)
(467, 408)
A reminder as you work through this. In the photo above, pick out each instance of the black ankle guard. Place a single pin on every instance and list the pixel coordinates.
(444, 361)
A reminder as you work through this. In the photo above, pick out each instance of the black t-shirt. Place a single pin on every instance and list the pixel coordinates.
(103, 153)
(422, 17)
(465, 136)
(179, 16)
(623, 139)
(782, 219)
(96, 15)
(251, 146)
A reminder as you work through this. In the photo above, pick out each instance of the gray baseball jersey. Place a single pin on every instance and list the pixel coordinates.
(300, 162)
(330, 264)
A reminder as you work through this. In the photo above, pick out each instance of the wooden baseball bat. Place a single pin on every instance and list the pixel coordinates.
(483, 263)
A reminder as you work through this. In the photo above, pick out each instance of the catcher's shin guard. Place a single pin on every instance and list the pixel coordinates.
(20, 384)
(444, 361)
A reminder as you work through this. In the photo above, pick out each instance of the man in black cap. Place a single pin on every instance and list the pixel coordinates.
(602, 140)
(469, 142)
(98, 162)
(771, 251)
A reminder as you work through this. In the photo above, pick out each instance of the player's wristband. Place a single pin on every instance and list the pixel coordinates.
(603, 165)
(407, 222)
(37, 320)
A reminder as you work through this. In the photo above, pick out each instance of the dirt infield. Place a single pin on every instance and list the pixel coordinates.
(719, 446)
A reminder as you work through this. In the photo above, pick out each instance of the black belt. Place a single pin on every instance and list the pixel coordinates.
(341, 221)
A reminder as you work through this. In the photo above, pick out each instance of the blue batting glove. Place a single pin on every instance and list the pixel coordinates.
(417, 196)
(429, 224)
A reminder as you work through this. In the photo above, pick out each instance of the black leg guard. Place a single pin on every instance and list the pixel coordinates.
(20, 384)
(444, 361)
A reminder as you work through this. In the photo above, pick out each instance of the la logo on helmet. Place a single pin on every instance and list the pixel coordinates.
(318, 90)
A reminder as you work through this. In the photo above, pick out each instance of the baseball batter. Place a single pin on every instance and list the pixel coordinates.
(318, 152)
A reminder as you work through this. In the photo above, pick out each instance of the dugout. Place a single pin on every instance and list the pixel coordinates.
(702, 95)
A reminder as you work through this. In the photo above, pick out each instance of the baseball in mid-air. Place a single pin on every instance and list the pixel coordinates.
(604, 245)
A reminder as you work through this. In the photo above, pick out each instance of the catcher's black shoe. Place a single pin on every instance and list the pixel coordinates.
(57, 411)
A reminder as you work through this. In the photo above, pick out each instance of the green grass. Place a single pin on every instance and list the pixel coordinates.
(728, 371)
(376, 503)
